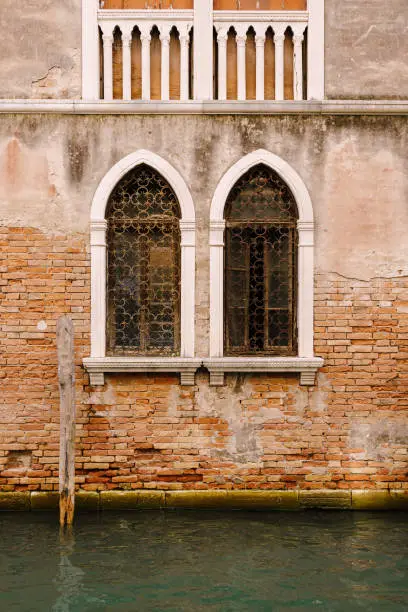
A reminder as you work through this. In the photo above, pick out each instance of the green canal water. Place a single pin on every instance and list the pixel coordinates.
(205, 561)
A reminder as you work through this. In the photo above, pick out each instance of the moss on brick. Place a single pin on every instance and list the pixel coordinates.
(380, 500)
(44, 500)
(327, 500)
(119, 500)
(151, 499)
(196, 499)
(86, 501)
(18, 501)
(263, 500)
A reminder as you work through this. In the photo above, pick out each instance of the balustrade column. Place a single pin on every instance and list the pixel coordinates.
(145, 38)
(107, 66)
(222, 64)
(298, 64)
(260, 67)
(184, 66)
(241, 45)
(165, 64)
(127, 65)
(279, 40)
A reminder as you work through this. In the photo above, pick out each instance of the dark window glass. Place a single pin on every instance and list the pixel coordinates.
(260, 266)
(143, 284)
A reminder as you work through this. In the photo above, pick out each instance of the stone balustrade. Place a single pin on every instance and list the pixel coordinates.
(282, 25)
(218, 54)
(142, 24)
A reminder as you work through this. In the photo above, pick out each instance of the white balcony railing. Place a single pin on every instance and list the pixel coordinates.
(284, 26)
(134, 26)
(202, 53)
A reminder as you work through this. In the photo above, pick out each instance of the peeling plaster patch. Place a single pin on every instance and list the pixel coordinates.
(231, 404)
(32, 187)
(18, 460)
(49, 73)
(174, 400)
(102, 398)
(301, 397)
(42, 326)
(40, 49)
(23, 172)
(377, 440)
(319, 396)
(315, 400)
(364, 193)
(58, 81)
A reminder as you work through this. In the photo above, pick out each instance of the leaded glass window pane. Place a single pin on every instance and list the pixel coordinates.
(260, 266)
(143, 284)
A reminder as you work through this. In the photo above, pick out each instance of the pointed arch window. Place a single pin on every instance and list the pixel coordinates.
(143, 274)
(260, 266)
(142, 271)
(261, 271)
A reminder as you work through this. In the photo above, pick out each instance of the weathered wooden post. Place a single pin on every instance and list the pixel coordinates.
(66, 380)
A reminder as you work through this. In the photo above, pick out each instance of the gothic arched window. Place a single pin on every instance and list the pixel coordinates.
(143, 272)
(260, 266)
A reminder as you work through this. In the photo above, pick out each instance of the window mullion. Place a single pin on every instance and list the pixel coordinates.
(291, 287)
(247, 293)
(266, 294)
(144, 292)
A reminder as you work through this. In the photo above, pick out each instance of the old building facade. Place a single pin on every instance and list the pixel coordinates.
(217, 195)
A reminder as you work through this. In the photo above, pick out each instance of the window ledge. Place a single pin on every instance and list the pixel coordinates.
(97, 367)
(209, 107)
(307, 367)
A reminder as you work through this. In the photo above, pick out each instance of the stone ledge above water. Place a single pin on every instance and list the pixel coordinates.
(217, 500)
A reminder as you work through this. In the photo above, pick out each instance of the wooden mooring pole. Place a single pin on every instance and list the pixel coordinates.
(66, 380)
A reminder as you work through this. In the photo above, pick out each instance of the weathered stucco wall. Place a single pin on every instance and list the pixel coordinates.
(40, 49)
(349, 431)
(366, 49)
(356, 170)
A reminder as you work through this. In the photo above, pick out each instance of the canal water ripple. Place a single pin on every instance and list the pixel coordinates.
(205, 561)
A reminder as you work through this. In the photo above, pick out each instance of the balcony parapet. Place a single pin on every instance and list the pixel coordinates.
(174, 54)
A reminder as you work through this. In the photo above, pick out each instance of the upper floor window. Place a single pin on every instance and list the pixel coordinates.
(143, 274)
(260, 266)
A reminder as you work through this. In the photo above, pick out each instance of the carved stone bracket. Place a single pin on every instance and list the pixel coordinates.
(98, 367)
(306, 367)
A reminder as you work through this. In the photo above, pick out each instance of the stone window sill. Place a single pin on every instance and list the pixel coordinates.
(97, 367)
(307, 367)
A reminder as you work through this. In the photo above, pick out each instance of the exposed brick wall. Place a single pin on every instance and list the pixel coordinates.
(145, 431)
(41, 278)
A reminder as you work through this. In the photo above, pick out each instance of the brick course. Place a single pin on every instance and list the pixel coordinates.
(147, 432)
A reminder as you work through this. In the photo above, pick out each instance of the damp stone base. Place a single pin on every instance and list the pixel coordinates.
(215, 500)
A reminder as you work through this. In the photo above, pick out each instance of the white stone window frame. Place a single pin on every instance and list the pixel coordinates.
(305, 362)
(99, 363)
